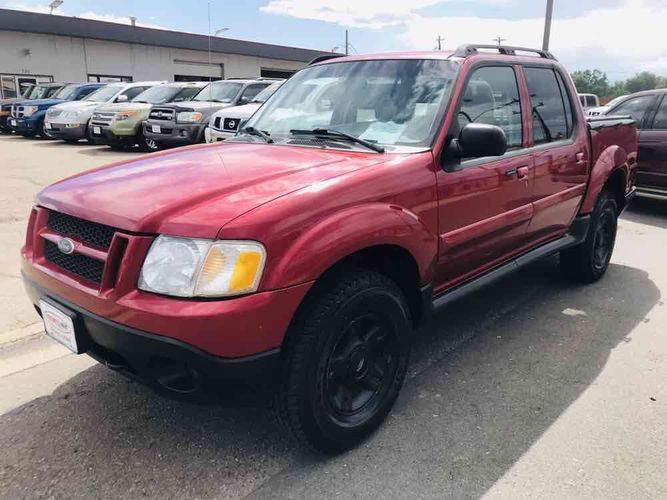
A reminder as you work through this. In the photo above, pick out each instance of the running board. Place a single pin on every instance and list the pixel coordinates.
(577, 234)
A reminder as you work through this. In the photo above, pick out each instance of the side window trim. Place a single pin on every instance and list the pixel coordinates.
(511, 152)
(650, 120)
(562, 86)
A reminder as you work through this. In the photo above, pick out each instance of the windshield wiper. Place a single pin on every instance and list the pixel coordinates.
(258, 133)
(336, 134)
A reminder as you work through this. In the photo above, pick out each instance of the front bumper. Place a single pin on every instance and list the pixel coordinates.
(215, 135)
(62, 131)
(172, 133)
(169, 366)
(107, 135)
(23, 125)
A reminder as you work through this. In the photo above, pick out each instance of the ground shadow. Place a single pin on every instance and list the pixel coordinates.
(489, 375)
(645, 210)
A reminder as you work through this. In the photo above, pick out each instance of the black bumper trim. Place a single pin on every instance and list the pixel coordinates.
(170, 367)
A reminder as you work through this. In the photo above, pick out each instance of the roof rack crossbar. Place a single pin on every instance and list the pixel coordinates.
(506, 50)
(324, 57)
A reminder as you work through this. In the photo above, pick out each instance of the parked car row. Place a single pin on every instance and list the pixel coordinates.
(151, 115)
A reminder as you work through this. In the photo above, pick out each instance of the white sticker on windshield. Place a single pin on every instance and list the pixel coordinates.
(384, 132)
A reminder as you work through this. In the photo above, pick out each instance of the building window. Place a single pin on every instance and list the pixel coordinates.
(109, 78)
(191, 78)
(276, 73)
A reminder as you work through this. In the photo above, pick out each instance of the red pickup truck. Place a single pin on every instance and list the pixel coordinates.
(301, 254)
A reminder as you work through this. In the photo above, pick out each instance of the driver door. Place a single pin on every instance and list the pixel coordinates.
(485, 203)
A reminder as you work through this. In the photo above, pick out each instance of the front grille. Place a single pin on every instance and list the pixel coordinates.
(231, 124)
(103, 118)
(216, 123)
(75, 263)
(161, 114)
(92, 233)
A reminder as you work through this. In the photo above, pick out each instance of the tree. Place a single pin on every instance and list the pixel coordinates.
(643, 81)
(591, 82)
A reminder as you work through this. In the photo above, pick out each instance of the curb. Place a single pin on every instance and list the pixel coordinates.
(24, 333)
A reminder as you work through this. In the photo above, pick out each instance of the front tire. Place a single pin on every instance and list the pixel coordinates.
(588, 261)
(345, 360)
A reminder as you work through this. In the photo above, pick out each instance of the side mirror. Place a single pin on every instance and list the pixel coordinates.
(122, 98)
(477, 140)
(244, 100)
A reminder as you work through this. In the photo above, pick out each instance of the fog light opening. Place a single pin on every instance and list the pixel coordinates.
(174, 375)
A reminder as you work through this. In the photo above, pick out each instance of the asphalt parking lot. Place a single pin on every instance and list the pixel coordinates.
(533, 387)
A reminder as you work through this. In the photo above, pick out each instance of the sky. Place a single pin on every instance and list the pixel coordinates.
(620, 37)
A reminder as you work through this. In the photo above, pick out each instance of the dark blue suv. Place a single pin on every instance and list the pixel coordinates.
(27, 117)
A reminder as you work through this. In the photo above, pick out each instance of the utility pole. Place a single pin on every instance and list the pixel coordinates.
(440, 40)
(347, 43)
(547, 24)
(209, 39)
(499, 40)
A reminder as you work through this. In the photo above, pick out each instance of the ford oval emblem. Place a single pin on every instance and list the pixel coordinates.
(65, 245)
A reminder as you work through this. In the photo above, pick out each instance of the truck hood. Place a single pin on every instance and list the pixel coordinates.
(196, 190)
(245, 111)
(199, 105)
(41, 102)
(124, 106)
(77, 105)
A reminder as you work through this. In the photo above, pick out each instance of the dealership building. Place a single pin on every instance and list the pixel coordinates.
(44, 48)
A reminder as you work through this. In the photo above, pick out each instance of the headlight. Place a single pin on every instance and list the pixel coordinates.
(189, 116)
(30, 110)
(185, 267)
(71, 115)
(124, 115)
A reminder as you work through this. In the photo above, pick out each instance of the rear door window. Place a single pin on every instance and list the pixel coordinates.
(492, 97)
(550, 122)
(634, 107)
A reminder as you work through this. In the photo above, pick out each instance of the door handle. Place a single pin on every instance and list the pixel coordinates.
(520, 172)
(579, 157)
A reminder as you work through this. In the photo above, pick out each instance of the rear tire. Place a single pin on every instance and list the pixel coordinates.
(588, 261)
(344, 361)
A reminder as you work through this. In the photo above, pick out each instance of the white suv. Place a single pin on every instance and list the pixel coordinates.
(226, 122)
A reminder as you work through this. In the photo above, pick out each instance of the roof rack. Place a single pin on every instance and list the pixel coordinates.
(506, 50)
(325, 57)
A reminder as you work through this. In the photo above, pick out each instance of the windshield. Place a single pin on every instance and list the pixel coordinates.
(388, 102)
(267, 92)
(27, 91)
(104, 94)
(166, 93)
(219, 92)
(615, 101)
(42, 92)
(66, 93)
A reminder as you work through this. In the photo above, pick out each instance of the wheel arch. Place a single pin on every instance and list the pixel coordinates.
(611, 171)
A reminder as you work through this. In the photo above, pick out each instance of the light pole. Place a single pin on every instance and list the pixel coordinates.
(54, 5)
(547, 24)
(221, 30)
